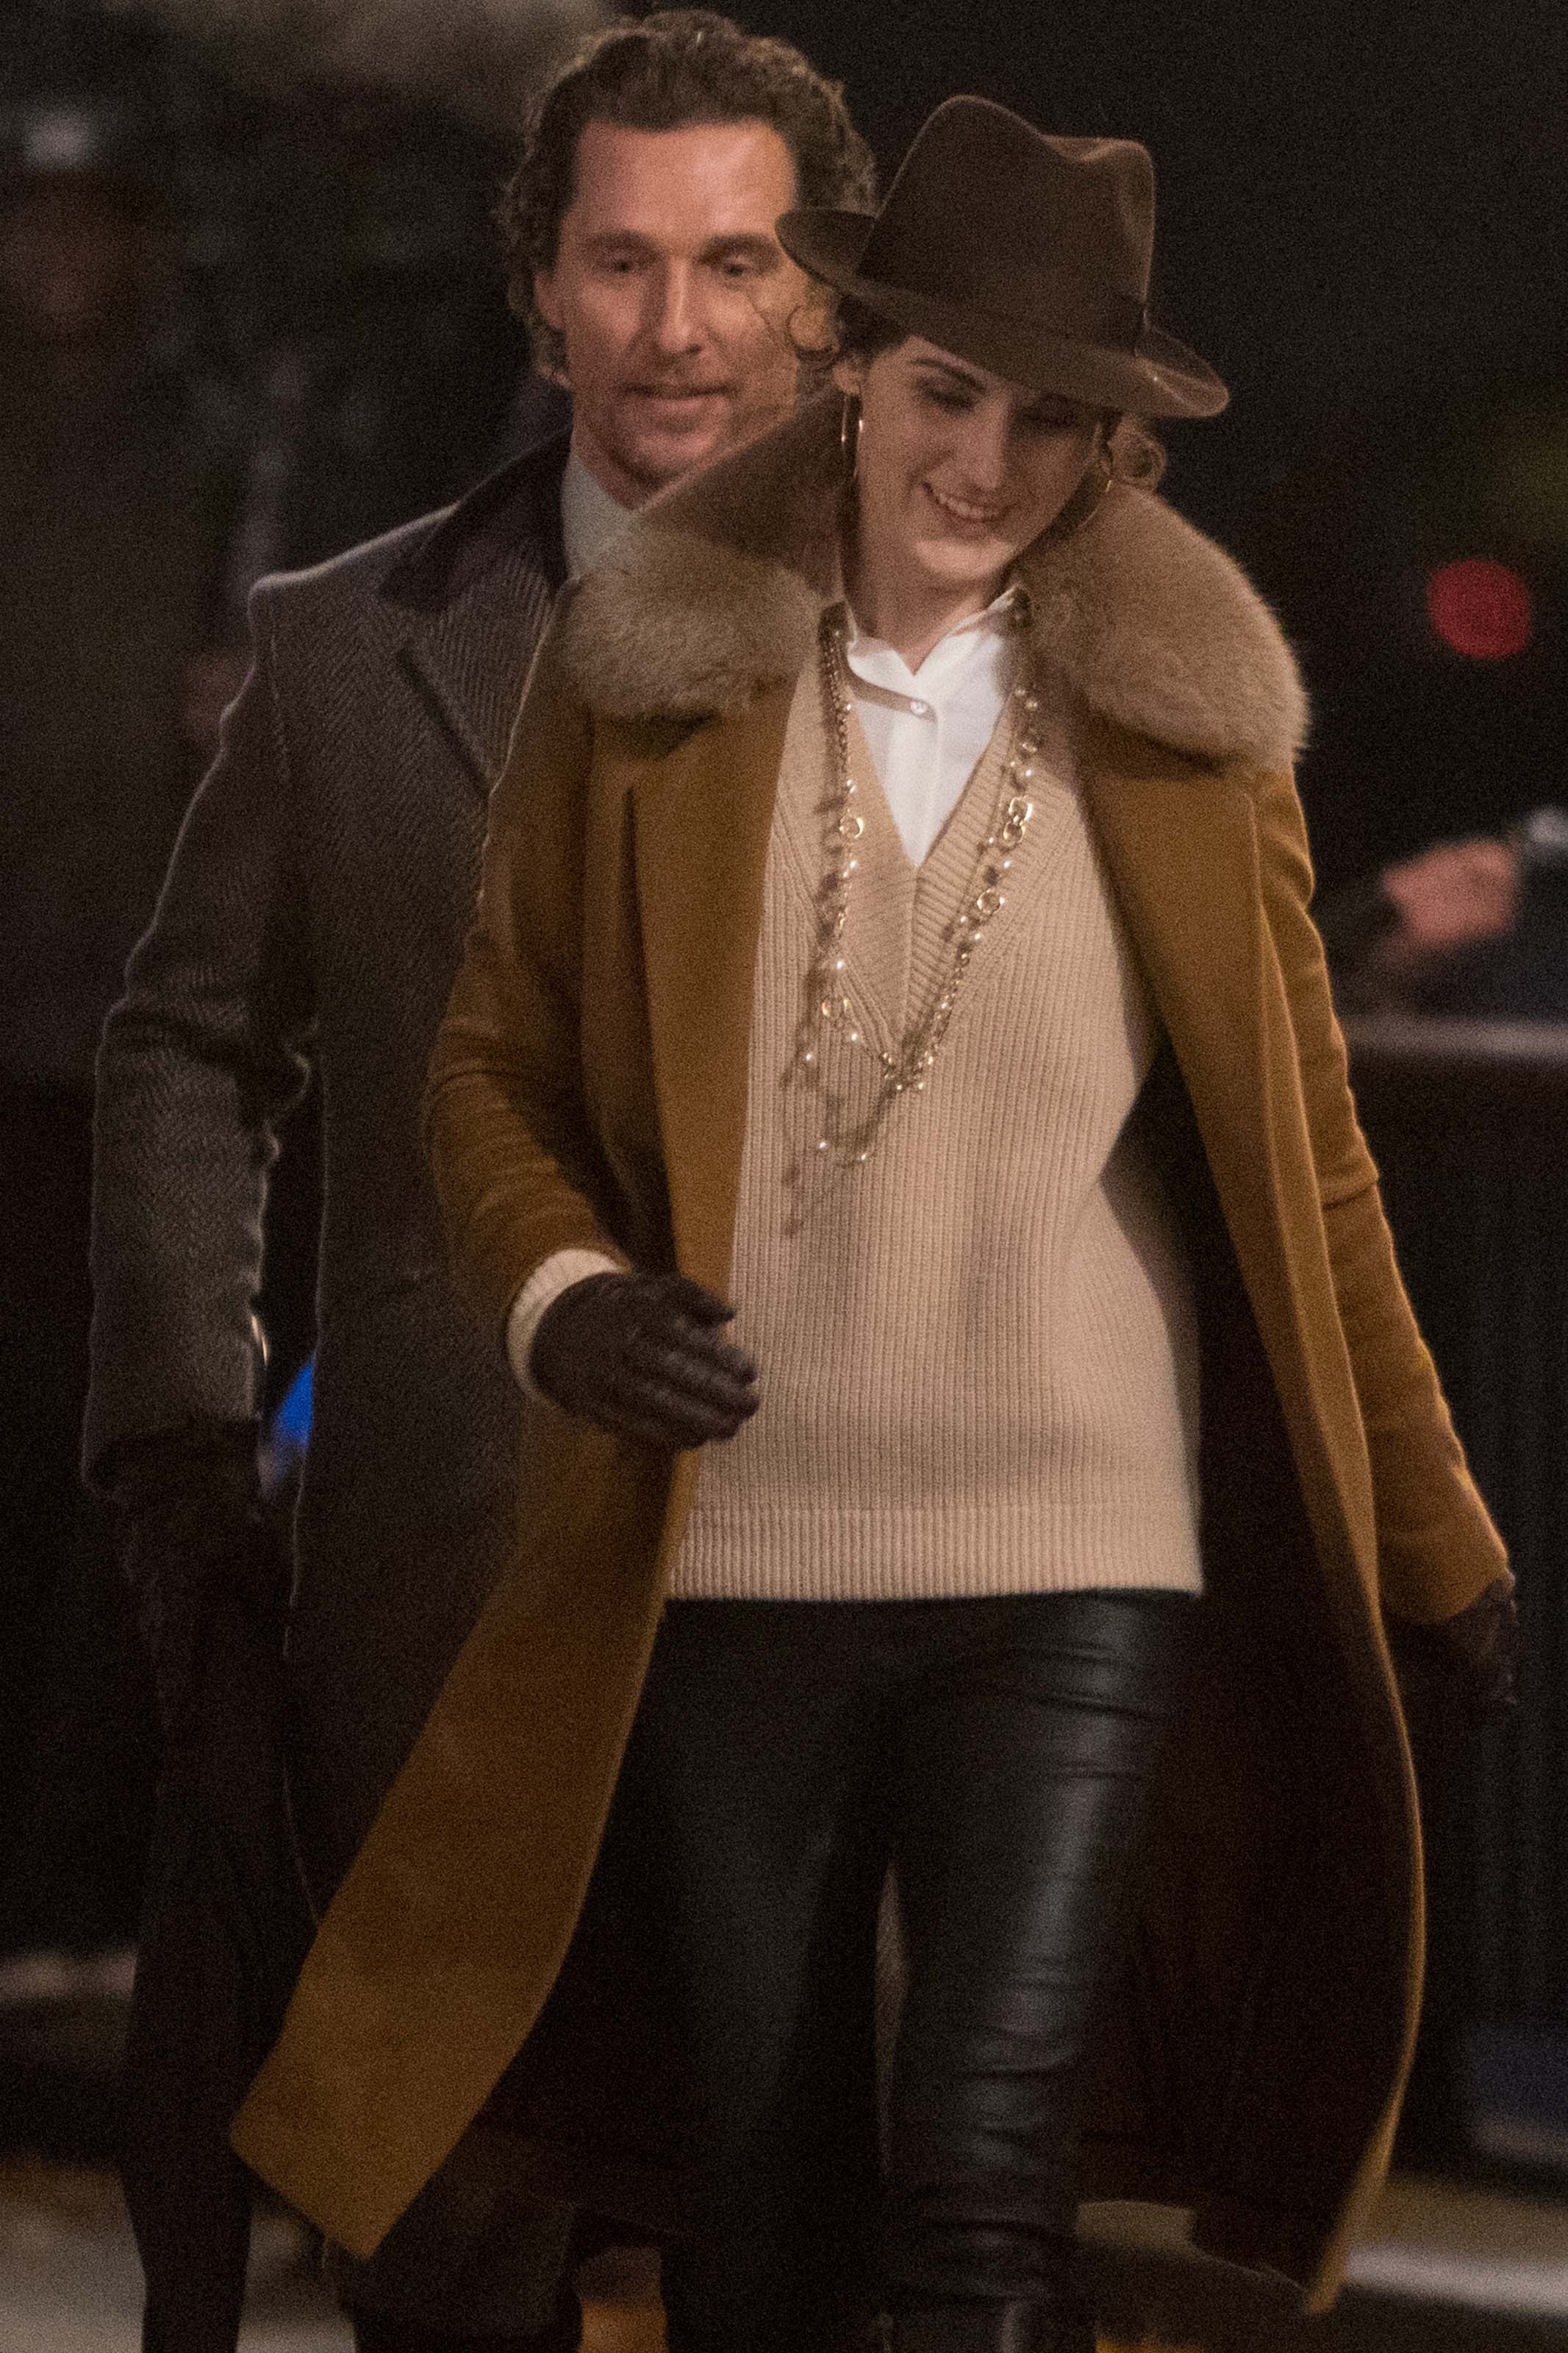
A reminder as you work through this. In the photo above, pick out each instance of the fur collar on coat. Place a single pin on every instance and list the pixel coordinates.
(716, 590)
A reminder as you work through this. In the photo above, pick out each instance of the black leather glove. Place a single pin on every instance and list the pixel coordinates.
(640, 1355)
(191, 1531)
(1463, 1665)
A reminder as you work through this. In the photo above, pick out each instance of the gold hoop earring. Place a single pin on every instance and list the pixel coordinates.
(850, 436)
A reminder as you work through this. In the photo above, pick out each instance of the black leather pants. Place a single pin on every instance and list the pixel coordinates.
(997, 1753)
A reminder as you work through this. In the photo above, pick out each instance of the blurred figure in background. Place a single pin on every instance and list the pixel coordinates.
(1420, 562)
(120, 462)
(1476, 927)
(1396, 938)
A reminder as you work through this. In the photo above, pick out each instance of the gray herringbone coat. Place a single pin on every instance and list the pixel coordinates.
(316, 907)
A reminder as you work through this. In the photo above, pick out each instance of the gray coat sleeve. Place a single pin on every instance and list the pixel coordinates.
(201, 1059)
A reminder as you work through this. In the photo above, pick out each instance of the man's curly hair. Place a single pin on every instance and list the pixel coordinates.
(665, 72)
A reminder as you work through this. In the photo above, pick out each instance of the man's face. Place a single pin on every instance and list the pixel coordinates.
(674, 298)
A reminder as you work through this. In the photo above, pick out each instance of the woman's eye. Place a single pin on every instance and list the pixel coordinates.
(939, 397)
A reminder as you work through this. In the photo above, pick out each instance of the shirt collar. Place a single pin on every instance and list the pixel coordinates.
(590, 517)
(969, 640)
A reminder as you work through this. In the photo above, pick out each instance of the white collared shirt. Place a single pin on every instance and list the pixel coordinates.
(926, 729)
(590, 517)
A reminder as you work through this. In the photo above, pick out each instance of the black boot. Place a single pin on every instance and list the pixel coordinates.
(1020, 2325)
(377, 2332)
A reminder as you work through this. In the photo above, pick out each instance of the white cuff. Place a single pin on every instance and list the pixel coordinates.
(542, 1289)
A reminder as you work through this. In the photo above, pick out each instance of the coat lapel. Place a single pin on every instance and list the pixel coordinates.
(1182, 850)
(469, 660)
(702, 819)
(467, 604)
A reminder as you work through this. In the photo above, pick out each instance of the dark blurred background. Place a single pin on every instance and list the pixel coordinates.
(267, 322)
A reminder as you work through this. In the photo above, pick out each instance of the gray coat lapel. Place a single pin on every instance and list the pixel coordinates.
(470, 660)
(467, 606)
(1182, 852)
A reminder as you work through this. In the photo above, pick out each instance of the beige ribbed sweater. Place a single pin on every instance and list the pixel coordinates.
(978, 1366)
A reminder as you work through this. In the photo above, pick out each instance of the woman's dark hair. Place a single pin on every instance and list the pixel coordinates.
(859, 332)
(665, 72)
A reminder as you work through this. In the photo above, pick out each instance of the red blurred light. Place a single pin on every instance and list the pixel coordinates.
(1480, 608)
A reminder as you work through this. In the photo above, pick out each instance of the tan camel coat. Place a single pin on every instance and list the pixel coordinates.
(590, 1090)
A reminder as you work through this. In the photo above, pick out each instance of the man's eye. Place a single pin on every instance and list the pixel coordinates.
(737, 264)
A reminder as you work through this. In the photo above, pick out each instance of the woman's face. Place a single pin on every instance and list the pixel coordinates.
(958, 469)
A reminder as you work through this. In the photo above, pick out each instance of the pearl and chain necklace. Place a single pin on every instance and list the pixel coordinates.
(905, 1071)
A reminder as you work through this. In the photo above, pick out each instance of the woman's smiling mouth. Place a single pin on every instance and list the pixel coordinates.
(960, 511)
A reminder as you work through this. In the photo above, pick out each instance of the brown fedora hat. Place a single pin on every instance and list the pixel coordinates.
(1026, 254)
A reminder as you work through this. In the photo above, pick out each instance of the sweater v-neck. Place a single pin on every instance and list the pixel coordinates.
(898, 937)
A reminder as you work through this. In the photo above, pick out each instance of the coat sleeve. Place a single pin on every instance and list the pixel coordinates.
(1437, 1549)
(201, 1060)
(518, 1172)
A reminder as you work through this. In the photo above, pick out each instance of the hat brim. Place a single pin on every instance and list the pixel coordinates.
(1160, 378)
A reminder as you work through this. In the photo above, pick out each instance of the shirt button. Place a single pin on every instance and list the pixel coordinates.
(920, 710)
